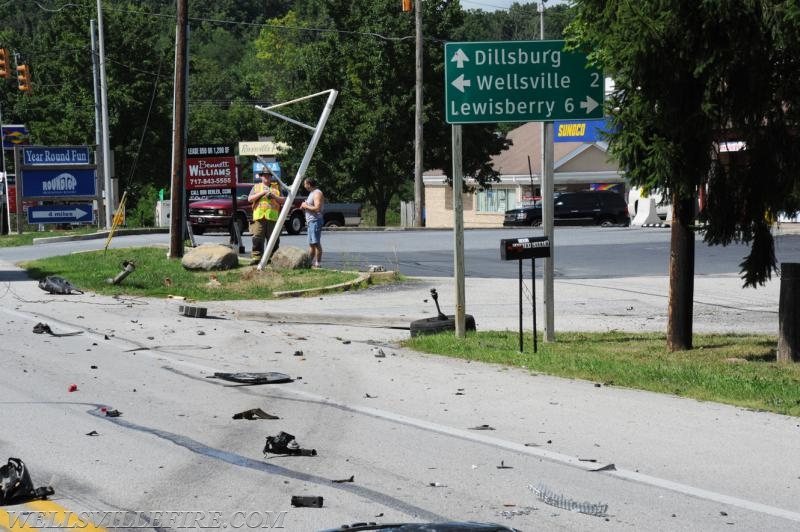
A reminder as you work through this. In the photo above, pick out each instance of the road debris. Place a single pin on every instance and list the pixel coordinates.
(378, 352)
(41, 328)
(306, 501)
(342, 481)
(192, 311)
(127, 268)
(247, 378)
(437, 485)
(111, 413)
(508, 514)
(285, 443)
(504, 466)
(607, 467)
(93, 433)
(544, 494)
(72, 388)
(58, 285)
(482, 427)
(16, 485)
(254, 413)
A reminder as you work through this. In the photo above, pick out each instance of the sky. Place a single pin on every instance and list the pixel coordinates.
(494, 5)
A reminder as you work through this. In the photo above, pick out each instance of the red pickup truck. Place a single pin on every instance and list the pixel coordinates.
(214, 214)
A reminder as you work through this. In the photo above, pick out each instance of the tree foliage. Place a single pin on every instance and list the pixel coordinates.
(365, 50)
(690, 75)
(247, 52)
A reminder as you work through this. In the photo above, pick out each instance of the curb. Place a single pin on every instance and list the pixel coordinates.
(362, 278)
(99, 234)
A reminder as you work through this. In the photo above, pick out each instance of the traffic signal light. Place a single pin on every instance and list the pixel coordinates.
(4, 73)
(407, 5)
(24, 78)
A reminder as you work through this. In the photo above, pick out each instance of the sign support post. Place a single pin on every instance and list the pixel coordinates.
(523, 81)
(519, 249)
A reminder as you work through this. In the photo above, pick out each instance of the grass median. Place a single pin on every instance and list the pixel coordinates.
(155, 275)
(738, 370)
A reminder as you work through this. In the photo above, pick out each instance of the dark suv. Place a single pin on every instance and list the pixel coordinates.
(599, 208)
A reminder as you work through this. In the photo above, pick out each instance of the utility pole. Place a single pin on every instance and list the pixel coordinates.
(179, 133)
(104, 112)
(102, 208)
(547, 212)
(419, 189)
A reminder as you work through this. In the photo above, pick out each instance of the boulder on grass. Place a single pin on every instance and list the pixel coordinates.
(290, 258)
(210, 257)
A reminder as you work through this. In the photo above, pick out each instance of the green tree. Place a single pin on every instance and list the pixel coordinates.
(365, 50)
(688, 76)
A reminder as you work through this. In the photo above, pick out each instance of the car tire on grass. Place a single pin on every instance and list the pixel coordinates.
(436, 325)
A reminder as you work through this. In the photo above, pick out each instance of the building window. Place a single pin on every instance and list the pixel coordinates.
(496, 200)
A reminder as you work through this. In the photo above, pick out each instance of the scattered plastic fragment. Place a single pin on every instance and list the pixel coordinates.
(16, 485)
(57, 285)
(270, 377)
(298, 353)
(254, 413)
(285, 443)
(378, 352)
(560, 501)
(607, 467)
(482, 427)
(508, 514)
(342, 481)
(111, 413)
(302, 501)
(437, 485)
(93, 433)
(72, 388)
(41, 328)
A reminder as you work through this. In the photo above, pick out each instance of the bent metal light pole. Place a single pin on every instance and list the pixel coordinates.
(287, 206)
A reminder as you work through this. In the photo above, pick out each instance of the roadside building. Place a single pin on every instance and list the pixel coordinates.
(577, 166)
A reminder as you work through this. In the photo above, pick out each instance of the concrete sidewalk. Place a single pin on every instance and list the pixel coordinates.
(626, 304)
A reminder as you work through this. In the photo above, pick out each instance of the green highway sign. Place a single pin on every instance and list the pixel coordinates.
(519, 81)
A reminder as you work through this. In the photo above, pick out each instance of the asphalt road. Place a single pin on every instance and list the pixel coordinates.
(425, 438)
(579, 252)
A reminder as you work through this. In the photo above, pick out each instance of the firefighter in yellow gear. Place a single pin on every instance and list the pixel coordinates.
(266, 200)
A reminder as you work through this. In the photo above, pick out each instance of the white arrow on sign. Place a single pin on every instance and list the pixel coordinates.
(589, 104)
(76, 213)
(460, 58)
(460, 83)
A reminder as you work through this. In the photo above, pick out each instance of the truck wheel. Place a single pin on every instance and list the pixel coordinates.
(436, 325)
(296, 224)
(241, 221)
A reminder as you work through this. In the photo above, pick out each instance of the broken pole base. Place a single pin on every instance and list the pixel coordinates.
(789, 313)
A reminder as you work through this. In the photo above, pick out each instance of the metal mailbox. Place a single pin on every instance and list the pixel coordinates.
(534, 247)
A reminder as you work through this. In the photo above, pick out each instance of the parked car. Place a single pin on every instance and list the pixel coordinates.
(599, 208)
(215, 214)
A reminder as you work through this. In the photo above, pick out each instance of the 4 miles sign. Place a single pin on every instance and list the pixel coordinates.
(519, 81)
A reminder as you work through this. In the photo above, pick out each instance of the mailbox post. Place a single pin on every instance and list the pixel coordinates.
(526, 248)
